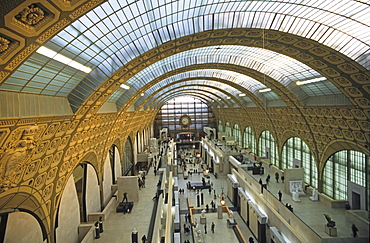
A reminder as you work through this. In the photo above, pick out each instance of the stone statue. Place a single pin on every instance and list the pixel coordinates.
(198, 235)
(330, 222)
(231, 216)
(203, 213)
(314, 195)
(295, 196)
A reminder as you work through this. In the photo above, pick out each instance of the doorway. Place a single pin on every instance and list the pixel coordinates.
(356, 200)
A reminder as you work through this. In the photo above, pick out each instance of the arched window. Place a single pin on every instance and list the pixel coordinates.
(267, 147)
(128, 158)
(249, 140)
(228, 129)
(342, 167)
(295, 150)
(237, 134)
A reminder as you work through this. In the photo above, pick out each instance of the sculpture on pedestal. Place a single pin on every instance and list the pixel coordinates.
(330, 223)
(203, 213)
(231, 217)
(295, 196)
(314, 196)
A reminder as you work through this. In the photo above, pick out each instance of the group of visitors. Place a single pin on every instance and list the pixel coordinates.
(141, 180)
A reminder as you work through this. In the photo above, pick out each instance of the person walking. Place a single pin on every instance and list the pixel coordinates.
(354, 230)
(143, 239)
(251, 240)
(280, 195)
(277, 177)
(213, 227)
(268, 179)
(205, 228)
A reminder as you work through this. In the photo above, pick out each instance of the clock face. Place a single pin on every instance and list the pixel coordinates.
(185, 120)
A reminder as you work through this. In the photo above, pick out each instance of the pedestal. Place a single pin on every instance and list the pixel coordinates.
(295, 197)
(203, 220)
(332, 231)
(315, 196)
(219, 211)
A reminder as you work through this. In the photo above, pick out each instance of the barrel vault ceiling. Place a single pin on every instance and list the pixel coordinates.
(138, 53)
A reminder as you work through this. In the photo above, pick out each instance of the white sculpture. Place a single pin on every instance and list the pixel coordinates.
(315, 196)
(295, 196)
(198, 235)
(231, 217)
(203, 212)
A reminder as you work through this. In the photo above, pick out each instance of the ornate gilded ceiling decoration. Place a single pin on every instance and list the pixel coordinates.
(31, 16)
(4, 44)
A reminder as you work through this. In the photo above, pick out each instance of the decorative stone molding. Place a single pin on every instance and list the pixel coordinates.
(53, 30)
(85, 8)
(4, 44)
(13, 164)
(68, 5)
(17, 60)
(30, 19)
(3, 76)
(9, 45)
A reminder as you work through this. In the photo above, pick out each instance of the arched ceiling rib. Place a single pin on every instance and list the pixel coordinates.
(180, 91)
(116, 32)
(206, 97)
(217, 91)
(162, 89)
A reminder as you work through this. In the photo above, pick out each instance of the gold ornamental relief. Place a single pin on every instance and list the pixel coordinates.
(17, 152)
(4, 44)
(30, 18)
(3, 76)
(31, 15)
(10, 44)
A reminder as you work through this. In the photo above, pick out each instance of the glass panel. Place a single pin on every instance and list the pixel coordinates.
(343, 27)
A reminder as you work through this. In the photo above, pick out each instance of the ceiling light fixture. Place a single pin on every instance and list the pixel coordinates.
(241, 94)
(314, 80)
(264, 90)
(63, 59)
(124, 86)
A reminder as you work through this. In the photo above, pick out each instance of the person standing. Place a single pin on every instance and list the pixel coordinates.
(213, 227)
(205, 228)
(143, 239)
(268, 179)
(251, 240)
(277, 177)
(280, 195)
(354, 230)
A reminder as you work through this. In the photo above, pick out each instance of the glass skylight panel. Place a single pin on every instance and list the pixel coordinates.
(139, 18)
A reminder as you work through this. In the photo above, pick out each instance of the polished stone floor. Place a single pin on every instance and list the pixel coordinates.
(118, 226)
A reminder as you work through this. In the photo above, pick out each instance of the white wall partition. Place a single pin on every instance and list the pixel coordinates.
(69, 214)
(107, 181)
(22, 227)
(93, 204)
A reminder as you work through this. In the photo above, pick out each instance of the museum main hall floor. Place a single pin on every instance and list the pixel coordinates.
(118, 227)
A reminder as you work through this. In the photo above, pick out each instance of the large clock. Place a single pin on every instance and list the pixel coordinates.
(185, 120)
